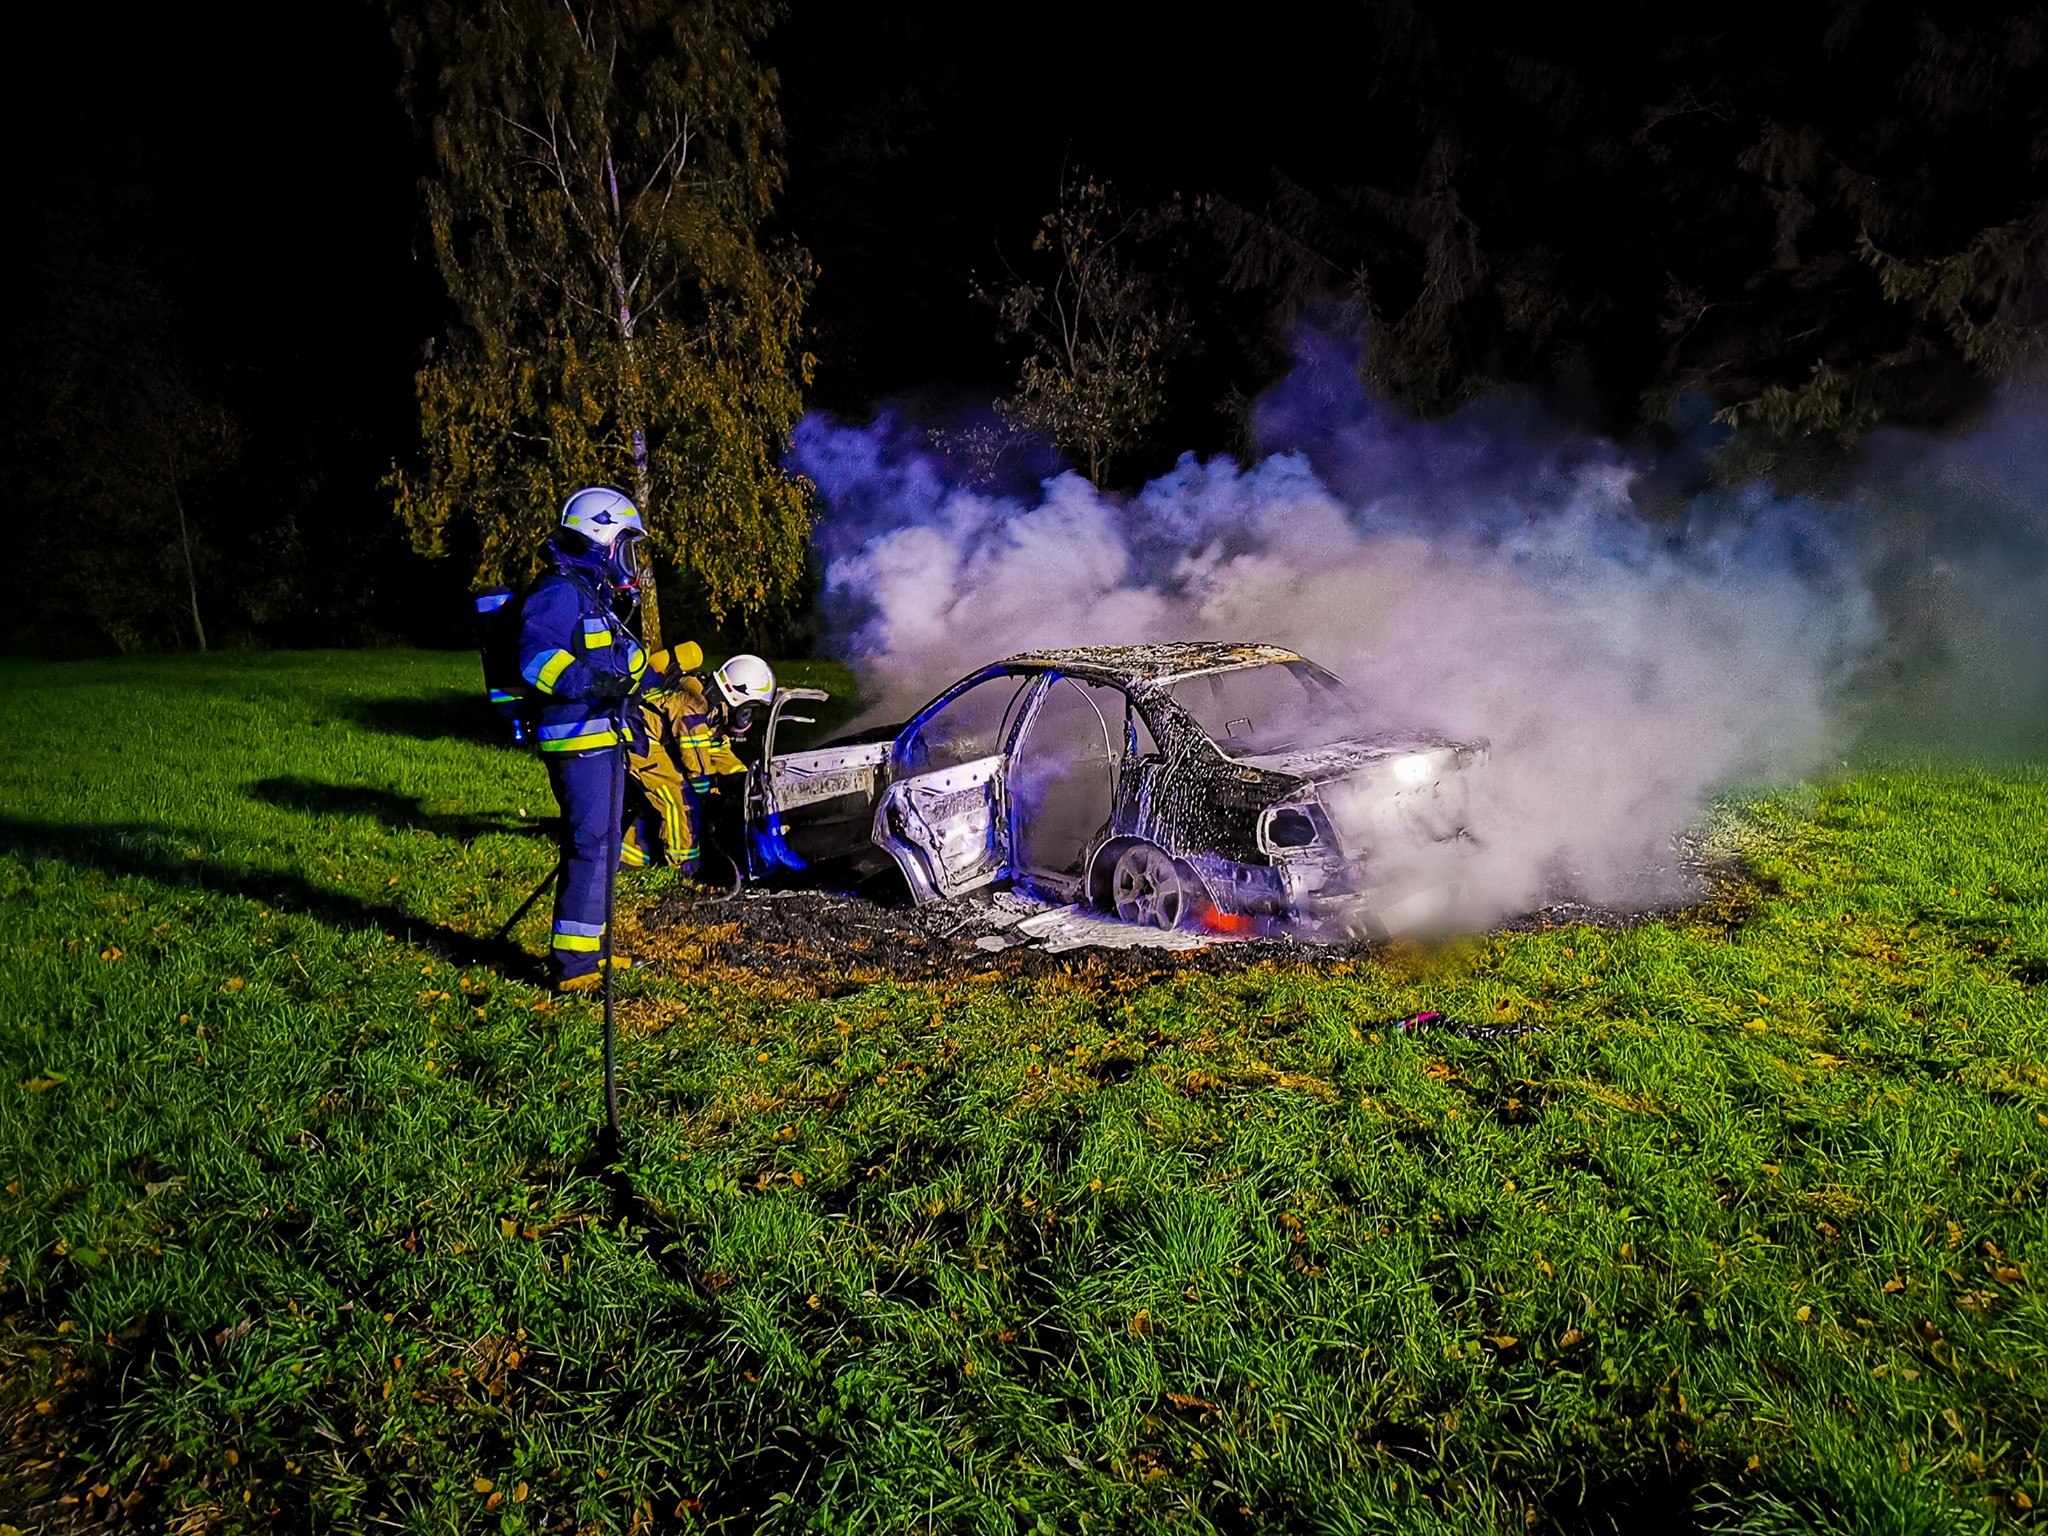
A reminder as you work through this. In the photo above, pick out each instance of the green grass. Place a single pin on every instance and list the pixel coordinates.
(302, 1226)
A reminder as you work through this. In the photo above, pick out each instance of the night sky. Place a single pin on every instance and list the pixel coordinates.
(928, 139)
(274, 173)
(266, 174)
(271, 176)
(263, 170)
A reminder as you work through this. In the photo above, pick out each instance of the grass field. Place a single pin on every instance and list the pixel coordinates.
(302, 1226)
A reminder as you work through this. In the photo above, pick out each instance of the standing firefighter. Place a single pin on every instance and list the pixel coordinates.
(689, 726)
(584, 666)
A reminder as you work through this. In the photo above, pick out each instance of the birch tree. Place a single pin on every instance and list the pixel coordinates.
(602, 170)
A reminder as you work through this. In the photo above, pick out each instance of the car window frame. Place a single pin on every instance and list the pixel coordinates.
(1031, 682)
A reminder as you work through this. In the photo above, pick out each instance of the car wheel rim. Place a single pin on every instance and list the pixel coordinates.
(1148, 889)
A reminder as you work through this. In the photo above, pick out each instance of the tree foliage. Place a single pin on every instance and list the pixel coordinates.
(1101, 332)
(602, 173)
(1819, 218)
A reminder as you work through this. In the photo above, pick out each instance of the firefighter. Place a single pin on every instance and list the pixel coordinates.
(584, 666)
(690, 726)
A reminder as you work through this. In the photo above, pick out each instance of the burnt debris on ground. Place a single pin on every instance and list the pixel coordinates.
(828, 936)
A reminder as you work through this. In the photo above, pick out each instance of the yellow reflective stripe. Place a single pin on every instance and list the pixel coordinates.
(552, 669)
(593, 638)
(576, 942)
(682, 837)
(605, 738)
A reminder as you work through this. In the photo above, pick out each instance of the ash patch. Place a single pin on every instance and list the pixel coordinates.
(831, 938)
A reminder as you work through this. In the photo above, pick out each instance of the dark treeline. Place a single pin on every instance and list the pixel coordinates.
(215, 311)
(1818, 217)
(1811, 219)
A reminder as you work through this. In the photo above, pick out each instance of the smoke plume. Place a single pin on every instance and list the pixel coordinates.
(1487, 577)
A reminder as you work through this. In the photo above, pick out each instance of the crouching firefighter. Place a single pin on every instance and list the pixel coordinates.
(584, 665)
(684, 766)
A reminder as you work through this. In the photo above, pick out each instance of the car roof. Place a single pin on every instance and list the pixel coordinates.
(1165, 662)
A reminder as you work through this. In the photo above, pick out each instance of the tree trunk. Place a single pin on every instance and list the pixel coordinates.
(636, 426)
(643, 494)
(191, 577)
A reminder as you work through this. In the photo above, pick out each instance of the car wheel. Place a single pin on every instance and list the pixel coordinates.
(1155, 890)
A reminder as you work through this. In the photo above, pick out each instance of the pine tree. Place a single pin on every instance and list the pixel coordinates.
(602, 173)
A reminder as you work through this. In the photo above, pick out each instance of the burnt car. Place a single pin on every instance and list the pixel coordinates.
(1235, 787)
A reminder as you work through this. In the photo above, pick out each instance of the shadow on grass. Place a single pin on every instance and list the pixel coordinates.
(451, 715)
(401, 813)
(153, 853)
(1647, 1497)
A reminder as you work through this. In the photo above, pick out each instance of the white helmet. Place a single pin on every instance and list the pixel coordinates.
(745, 680)
(601, 514)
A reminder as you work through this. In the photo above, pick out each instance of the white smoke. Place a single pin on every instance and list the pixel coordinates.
(1473, 578)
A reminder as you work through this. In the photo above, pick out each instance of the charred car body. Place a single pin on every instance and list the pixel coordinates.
(1235, 787)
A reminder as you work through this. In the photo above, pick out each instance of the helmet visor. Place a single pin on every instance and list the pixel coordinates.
(625, 558)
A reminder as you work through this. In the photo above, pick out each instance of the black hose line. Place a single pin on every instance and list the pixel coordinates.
(523, 907)
(611, 880)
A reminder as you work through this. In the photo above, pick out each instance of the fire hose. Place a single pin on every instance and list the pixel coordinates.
(615, 836)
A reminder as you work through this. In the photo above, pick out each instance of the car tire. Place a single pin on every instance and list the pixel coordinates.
(1151, 888)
